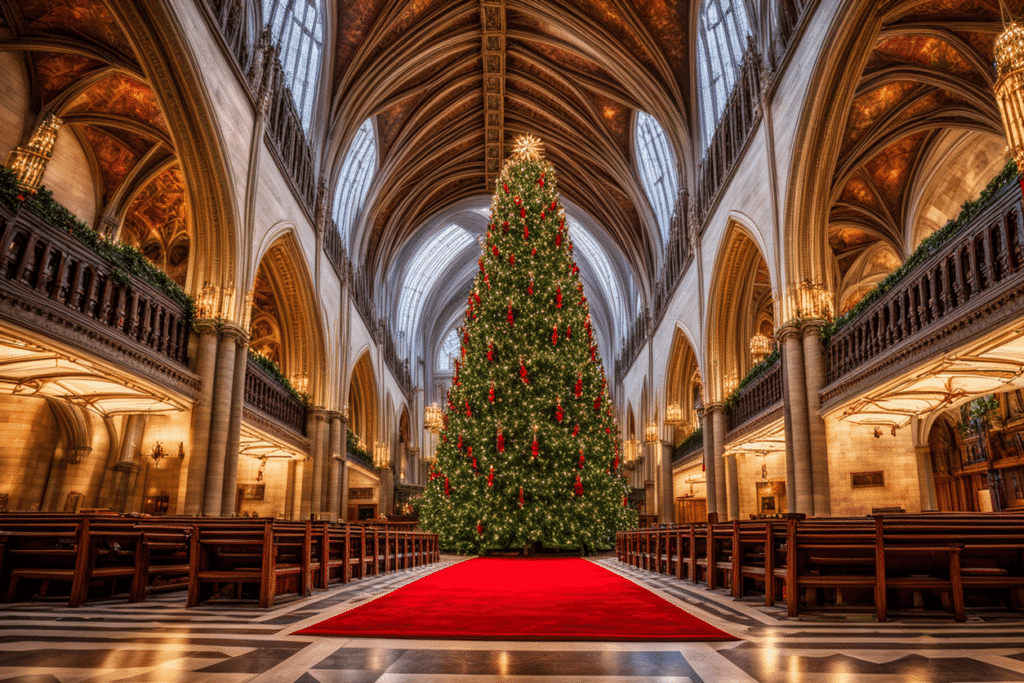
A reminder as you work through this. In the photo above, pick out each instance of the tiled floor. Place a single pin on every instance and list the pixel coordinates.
(161, 642)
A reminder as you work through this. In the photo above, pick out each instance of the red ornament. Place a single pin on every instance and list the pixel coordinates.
(576, 430)
(481, 262)
(501, 441)
(558, 297)
(494, 250)
(593, 353)
(559, 414)
(512, 259)
(447, 487)
(511, 319)
(535, 448)
(474, 464)
(462, 350)
(568, 329)
(581, 461)
(434, 475)
(490, 477)
(578, 487)
(540, 181)
(479, 527)
(554, 336)
(542, 216)
(477, 297)
(469, 454)
(504, 186)
(526, 232)
(487, 281)
(552, 204)
(490, 393)
(522, 371)
(579, 385)
(623, 501)
(522, 212)
(597, 404)
(459, 445)
(490, 352)
(505, 226)
(521, 488)
(533, 252)
(469, 413)
(529, 288)
(518, 201)
(558, 239)
(615, 463)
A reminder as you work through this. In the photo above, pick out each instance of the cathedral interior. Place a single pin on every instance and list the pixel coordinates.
(238, 236)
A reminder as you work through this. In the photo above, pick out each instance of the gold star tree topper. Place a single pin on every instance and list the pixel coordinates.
(527, 148)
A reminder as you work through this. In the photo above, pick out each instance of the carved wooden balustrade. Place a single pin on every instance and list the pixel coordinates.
(50, 280)
(265, 394)
(759, 397)
(970, 286)
(632, 343)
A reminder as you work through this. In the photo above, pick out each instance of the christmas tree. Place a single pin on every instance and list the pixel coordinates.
(528, 453)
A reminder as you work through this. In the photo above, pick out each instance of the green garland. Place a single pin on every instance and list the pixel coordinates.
(123, 257)
(766, 364)
(693, 441)
(352, 444)
(271, 368)
(928, 246)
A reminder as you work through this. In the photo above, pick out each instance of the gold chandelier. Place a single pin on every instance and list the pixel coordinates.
(1009, 53)
(760, 347)
(674, 416)
(381, 456)
(432, 418)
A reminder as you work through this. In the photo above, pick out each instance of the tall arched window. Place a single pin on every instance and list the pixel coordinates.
(354, 180)
(657, 166)
(297, 27)
(446, 352)
(721, 40)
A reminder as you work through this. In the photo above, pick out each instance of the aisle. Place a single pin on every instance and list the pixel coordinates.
(514, 599)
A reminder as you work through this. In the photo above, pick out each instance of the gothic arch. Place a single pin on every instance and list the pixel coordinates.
(285, 300)
(362, 401)
(741, 304)
(683, 385)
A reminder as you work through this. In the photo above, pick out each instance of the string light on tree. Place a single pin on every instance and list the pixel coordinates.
(529, 395)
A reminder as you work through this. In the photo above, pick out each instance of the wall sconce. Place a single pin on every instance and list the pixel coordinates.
(651, 432)
(158, 453)
(381, 456)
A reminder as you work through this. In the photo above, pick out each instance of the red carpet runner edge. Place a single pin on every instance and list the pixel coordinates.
(520, 599)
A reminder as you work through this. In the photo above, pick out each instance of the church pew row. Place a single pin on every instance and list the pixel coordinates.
(213, 558)
(939, 561)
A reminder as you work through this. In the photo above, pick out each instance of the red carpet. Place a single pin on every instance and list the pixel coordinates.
(520, 599)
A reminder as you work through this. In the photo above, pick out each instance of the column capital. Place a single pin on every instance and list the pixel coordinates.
(205, 326)
(336, 415)
(713, 407)
(316, 412)
(812, 326)
(790, 328)
(233, 330)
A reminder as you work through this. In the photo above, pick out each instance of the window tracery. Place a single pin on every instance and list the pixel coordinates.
(297, 28)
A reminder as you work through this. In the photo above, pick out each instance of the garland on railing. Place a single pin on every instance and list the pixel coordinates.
(928, 246)
(122, 257)
(271, 368)
(694, 441)
(352, 443)
(755, 372)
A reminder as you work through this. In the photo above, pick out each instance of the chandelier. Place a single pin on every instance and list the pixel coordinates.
(674, 416)
(432, 418)
(651, 432)
(760, 347)
(158, 453)
(381, 456)
(1009, 53)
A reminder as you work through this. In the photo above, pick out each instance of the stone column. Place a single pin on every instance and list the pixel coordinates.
(337, 428)
(815, 377)
(709, 456)
(668, 498)
(313, 468)
(343, 506)
(230, 487)
(193, 469)
(925, 477)
(717, 459)
(127, 468)
(220, 418)
(795, 407)
(733, 486)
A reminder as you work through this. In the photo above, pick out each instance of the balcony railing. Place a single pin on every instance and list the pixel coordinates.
(55, 279)
(265, 395)
(760, 396)
(957, 292)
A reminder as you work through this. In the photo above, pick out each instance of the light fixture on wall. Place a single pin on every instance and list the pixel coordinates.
(432, 418)
(158, 453)
(29, 162)
(760, 347)
(674, 416)
(651, 432)
(1009, 88)
(381, 456)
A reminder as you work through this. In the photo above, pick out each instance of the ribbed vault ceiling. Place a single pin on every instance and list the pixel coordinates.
(573, 72)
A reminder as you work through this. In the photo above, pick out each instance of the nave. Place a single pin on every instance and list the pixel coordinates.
(161, 642)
